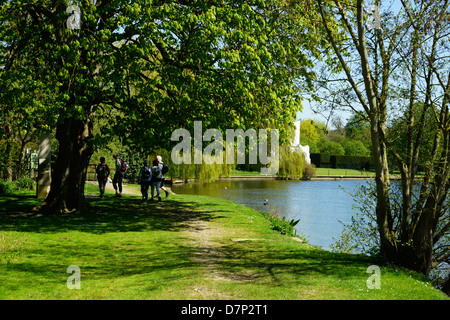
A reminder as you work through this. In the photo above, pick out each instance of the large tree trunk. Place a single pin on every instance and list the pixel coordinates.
(411, 248)
(388, 244)
(69, 171)
(9, 156)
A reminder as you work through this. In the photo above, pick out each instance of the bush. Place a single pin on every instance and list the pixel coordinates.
(309, 171)
(330, 147)
(25, 183)
(283, 226)
(6, 187)
(9, 187)
(292, 164)
(355, 148)
(342, 162)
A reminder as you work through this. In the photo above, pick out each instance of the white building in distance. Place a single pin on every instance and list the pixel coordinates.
(295, 144)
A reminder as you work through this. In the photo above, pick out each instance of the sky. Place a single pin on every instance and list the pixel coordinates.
(308, 113)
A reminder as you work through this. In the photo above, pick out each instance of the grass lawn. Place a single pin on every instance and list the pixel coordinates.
(245, 173)
(320, 172)
(185, 247)
(343, 172)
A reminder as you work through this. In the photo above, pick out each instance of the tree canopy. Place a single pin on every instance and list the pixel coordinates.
(149, 67)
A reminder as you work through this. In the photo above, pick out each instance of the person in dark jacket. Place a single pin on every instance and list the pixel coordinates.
(145, 176)
(102, 171)
(118, 176)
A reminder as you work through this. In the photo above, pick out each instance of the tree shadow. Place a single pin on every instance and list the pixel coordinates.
(250, 261)
(18, 205)
(106, 215)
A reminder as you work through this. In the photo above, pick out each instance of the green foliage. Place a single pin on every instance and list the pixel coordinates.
(352, 162)
(9, 187)
(292, 163)
(6, 187)
(309, 171)
(399, 130)
(354, 148)
(353, 140)
(205, 172)
(201, 172)
(361, 234)
(330, 147)
(284, 226)
(342, 162)
(312, 131)
(139, 70)
(358, 128)
(25, 183)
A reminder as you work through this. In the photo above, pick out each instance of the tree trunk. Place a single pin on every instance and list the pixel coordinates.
(69, 171)
(388, 244)
(9, 156)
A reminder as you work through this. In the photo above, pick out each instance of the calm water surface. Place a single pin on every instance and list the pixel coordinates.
(319, 205)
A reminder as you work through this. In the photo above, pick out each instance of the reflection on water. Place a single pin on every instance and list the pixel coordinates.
(318, 204)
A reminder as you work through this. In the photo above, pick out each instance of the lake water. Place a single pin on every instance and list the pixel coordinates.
(319, 205)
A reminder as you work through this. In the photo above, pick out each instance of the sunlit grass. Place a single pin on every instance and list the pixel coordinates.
(343, 172)
(185, 247)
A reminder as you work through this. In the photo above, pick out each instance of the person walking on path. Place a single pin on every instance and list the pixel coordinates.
(102, 171)
(156, 179)
(118, 176)
(145, 176)
(164, 170)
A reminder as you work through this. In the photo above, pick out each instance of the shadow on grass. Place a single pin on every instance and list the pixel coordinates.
(284, 265)
(165, 263)
(109, 214)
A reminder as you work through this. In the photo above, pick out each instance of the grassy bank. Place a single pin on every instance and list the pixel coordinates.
(320, 172)
(185, 247)
(343, 172)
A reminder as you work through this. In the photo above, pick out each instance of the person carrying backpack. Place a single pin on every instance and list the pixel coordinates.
(145, 176)
(121, 168)
(156, 179)
(102, 171)
(164, 170)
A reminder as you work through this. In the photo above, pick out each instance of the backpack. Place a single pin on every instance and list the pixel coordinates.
(156, 172)
(124, 165)
(146, 173)
(165, 168)
(102, 172)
